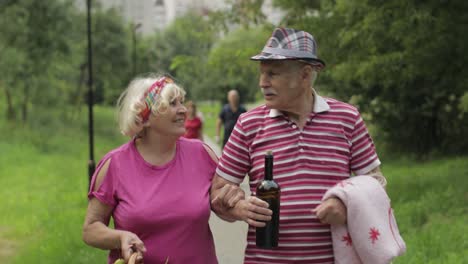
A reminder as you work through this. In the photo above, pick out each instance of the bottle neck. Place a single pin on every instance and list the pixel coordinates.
(269, 167)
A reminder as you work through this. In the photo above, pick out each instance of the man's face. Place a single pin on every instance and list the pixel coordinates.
(233, 98)
(281, 84)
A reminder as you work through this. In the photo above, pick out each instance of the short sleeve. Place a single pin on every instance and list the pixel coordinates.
(210, 163)
(106, 192)
(235, 161)
(363, 154)
(222, 114)
(243, 110)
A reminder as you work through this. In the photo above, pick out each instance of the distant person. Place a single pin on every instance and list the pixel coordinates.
(229, 115)
(152, 186)
(193, 123)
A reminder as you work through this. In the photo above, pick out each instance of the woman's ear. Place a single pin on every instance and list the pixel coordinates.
(146, 124)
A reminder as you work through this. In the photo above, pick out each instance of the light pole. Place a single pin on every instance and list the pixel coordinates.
(134, 29)
(91, 163)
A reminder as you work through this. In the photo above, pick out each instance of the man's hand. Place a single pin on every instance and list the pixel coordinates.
(253, 211)
(331, 211)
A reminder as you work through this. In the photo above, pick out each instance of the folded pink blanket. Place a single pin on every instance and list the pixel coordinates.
(371, 234)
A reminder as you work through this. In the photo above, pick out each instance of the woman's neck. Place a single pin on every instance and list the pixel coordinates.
(157, 149)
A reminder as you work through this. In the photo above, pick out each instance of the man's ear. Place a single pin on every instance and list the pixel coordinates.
(306, 73)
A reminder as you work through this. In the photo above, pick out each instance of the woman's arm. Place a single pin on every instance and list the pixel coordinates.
(96, 232)
(200, 132)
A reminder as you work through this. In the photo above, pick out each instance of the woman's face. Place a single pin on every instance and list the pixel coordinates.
(170, 121)
(190, 110)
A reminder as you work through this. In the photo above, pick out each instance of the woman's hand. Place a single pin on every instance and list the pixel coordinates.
(228, 196)
(130, 243)
(253, 211)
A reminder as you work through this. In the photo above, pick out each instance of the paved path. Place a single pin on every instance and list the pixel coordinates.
(229, 237)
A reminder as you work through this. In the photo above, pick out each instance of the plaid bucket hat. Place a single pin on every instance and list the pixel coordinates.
(290, 44)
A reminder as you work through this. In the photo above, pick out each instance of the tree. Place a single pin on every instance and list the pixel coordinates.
(182, 52)
(111, 55)
(230, 65)
(402, 62)
(29, 49)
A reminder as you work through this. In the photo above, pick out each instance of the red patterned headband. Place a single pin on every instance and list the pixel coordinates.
(151, 95)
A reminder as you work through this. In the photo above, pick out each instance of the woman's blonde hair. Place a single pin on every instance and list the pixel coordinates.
(132, 102)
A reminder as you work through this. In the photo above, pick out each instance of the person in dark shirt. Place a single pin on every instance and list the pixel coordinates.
(229, 115)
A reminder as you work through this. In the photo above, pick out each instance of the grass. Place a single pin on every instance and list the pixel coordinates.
(43, 172)
(210, 111)
(43, 169)
(431, 205)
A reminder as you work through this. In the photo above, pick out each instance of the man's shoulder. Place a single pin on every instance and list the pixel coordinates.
(258, 113)
(339, 106)
(242, 108)
(225, 108)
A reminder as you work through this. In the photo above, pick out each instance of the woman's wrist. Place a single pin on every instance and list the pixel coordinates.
(120, 234)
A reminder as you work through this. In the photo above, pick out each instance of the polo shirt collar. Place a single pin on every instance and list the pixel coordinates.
(320, 105)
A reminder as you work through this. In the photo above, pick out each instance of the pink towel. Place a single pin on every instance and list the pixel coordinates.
(371, 234)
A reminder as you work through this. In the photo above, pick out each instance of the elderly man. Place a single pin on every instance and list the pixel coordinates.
(316, 143)
(229, 115)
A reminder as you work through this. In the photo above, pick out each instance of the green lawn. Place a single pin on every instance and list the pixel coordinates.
(43, 172)
(210, 111)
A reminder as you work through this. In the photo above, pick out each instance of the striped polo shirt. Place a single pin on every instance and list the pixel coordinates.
(333, 144)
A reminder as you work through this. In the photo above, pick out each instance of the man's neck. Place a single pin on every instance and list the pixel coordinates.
(302, 109)
(234, 107)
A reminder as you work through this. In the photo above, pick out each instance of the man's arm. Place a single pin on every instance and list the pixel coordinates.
(376, 173)
(219, 123)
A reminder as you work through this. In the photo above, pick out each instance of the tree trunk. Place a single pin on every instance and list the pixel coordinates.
(10, 114)
(24, 106)
(78, 94)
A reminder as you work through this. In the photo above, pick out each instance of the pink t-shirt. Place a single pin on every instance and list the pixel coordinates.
(167, 206)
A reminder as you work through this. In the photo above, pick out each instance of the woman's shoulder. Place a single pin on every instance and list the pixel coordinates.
(190, 143)
(196, 148)
(120, 152)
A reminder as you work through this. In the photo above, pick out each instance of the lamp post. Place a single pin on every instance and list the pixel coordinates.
(134, 29)
(91, 163)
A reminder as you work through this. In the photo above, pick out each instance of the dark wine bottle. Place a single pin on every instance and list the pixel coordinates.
(269, 191)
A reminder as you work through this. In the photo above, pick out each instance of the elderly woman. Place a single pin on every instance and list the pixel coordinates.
(156, 186)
